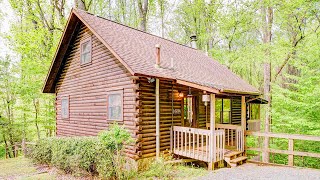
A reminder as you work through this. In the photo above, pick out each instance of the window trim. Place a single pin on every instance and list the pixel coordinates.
(68, 100)
(89, 39)
(120, 92)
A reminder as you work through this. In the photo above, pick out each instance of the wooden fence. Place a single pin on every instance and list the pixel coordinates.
(17, 148)
(290, 151)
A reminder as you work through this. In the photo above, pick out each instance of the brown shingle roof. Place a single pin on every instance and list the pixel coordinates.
(136, 49)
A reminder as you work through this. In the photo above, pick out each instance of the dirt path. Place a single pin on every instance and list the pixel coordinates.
(254, 172)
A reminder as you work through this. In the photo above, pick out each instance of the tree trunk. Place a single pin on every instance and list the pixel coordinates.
(143, 10)
(36, 108)
(267, 18)
(79, 4)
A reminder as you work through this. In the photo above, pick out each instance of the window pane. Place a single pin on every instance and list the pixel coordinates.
(226, 116)
(85, 56)
(254, 111)
(114, 100)
(226, 104)
(115, 107)
(185, 107)
(65, 108)
(115, 113)
(218, 110)
(86, 47)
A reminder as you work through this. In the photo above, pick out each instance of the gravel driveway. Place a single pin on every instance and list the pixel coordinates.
(255, 171)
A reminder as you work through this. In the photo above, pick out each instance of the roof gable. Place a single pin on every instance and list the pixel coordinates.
(135, 50)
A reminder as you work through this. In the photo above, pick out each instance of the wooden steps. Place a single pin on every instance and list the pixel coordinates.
(235, 158)
(239, 159)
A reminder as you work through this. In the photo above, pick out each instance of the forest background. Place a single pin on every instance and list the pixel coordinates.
(274, 45)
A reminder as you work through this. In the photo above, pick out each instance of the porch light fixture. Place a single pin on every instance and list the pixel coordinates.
(205, 98)
(181, 94)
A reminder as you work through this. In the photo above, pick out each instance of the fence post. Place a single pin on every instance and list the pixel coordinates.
(290, 155)
(6, 151)
(24, 148)
(15, 150)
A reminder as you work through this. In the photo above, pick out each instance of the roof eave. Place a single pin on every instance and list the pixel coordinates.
(46, 82)
(256, 93)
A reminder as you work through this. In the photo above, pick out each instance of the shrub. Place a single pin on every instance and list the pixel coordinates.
(117, 164)
(42, 152)
(103, 155)
(159, 169)
(115, 138)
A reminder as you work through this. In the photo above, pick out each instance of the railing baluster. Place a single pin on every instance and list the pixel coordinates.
(193, 139)
(174, 140)
(178, 141)
(189, 143)
(207, 147)
(202, 146)
(198, 147)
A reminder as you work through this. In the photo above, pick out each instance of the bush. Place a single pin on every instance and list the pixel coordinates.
(42, 152)
(116, 165)
(102, 155)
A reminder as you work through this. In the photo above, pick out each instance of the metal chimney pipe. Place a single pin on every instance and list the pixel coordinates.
(193, 39)
(158, 55)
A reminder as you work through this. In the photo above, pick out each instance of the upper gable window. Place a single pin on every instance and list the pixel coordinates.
(85, 52)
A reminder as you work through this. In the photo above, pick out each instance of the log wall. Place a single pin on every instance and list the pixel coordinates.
(87, 87)
(169, 102)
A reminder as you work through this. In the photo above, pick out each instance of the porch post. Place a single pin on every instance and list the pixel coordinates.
(157, 119)
(243, 112)
(243, 120)
(212, 128)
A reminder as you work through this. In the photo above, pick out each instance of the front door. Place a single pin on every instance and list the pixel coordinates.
(190, 111)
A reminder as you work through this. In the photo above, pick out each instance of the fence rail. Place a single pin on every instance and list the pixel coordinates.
(290, 152)
(17, 147)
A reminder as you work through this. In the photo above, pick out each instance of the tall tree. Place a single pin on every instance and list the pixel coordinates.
(143, 11)
(267, 19)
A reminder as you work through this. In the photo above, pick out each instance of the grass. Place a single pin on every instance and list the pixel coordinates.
(15, 167)
(20, 168)
(23, 169)
(161, 170)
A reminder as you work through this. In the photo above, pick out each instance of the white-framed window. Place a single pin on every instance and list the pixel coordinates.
(115, 105)
(65, 107)
(85, 51)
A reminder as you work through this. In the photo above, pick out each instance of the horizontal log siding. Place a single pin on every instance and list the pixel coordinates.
(236, 110)
(87, 88)
(147, 113)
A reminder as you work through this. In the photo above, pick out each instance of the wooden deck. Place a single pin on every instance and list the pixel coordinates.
(203, 145)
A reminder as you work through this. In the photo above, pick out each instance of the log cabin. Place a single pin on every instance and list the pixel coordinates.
(169, 96)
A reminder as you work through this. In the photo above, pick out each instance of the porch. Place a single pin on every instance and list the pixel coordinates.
(226, 143)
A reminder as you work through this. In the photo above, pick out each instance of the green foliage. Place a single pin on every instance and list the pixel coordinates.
(117, 164)
(158, 169)
(115, 138)
(2, 151)
(42, 151)
(92, 155)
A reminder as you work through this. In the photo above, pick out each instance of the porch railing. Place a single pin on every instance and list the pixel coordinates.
(196, 143)
(234, 136)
